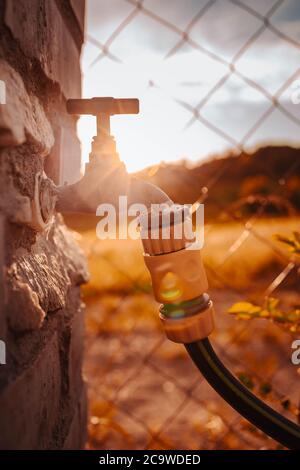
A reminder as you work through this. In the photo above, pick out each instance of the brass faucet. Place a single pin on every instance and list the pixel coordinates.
(105, 177)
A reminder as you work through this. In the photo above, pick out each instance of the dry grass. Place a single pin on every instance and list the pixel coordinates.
(239, 256)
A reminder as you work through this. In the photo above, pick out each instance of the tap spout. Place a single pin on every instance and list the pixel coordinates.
(104, 184)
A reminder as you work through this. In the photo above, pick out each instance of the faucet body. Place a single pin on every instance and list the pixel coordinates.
(105, 177)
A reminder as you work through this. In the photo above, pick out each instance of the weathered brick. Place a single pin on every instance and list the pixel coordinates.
(43, 35)
(64, 162)
(78, 6)
(76, 437)
(2, 306)
(40, 280)
(22, 117)
(14, 205)
(70, 157)
(23, 319)
(30, 404)
(76, 353)
(44, 405)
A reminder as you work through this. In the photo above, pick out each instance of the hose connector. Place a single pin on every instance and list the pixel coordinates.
(178, 276)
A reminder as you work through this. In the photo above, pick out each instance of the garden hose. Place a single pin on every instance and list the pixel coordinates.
(180, 284)
(240, 398)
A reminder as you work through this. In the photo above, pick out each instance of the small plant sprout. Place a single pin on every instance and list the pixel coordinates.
(270, 308)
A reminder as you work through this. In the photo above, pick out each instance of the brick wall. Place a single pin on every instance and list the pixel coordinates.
(42, 393)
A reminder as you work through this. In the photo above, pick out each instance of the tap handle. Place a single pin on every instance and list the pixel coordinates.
(103, 105)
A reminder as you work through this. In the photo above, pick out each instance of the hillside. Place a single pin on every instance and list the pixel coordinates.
(270, 175)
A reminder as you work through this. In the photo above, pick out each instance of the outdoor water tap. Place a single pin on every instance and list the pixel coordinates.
(105, 177)
(178, 276)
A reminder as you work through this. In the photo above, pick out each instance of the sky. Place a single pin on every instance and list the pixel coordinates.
(142, 63)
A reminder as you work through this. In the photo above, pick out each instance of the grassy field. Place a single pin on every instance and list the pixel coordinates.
(234, 255)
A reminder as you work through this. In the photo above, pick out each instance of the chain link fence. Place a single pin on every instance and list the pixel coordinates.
(144, 391)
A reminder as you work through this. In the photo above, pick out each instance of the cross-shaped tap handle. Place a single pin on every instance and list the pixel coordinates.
(103, 108)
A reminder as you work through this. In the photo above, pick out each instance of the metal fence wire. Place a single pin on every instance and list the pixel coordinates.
(144, 391)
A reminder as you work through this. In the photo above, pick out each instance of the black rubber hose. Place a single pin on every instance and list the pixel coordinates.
(240, 398)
